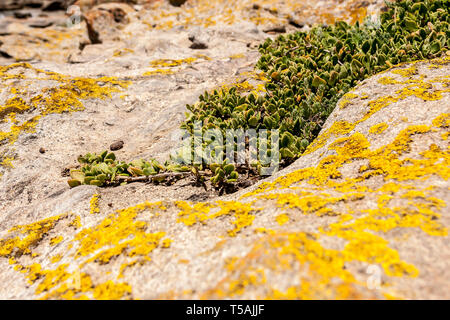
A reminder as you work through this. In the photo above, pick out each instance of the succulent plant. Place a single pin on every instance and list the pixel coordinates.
(104, 170)
(223, 173)
(308, 72)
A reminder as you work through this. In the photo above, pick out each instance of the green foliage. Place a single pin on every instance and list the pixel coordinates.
(310, 71)
(104, 170)
(223, 173)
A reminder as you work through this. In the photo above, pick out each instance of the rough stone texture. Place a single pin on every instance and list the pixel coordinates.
(307, 232)
(105, 20)
(85, 5)
(66, 37)
(44, 4)
(366, 202)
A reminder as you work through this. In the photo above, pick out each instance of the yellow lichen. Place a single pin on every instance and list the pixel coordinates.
(282, 219)
(378, 128)
(54, 241)
(34, 233)
(112, 231)
(388, 190)
(56, 258)
(94, 245)
(93, 204)
(201, 212)
(406, 72)
(65, 95)
(110, 290)
(158, 71)
(443, 121)
(346, 100)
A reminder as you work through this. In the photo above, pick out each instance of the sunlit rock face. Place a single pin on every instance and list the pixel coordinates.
(361, 214)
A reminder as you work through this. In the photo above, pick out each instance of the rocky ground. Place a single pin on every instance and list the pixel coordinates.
(126, 72)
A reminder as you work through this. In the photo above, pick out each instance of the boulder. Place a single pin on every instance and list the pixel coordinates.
(361, 215)
(104, 21)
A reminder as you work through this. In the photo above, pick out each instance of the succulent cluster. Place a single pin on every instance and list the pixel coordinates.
(223, 173)
(310, 71)
(104, 170)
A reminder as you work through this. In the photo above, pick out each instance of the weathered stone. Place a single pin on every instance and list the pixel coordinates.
(40, 24)
(22, 15)
(18, 4)
(117, 145)
(367, 197)
(43, 4)
(86, 5)
(362, 214)
(104, 21)
(199, 41)
(196, 44)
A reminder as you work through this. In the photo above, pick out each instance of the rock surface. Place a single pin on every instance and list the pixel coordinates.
(362, 214)
(44, 4)
(105, 20)
(367, 199)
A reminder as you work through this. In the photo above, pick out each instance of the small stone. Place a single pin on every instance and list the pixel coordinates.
(116, 145)
(22, 15)
(42, 150)
(276, 29)
(198, 45)
(130, 109)
(104, 21)
(198, 42)
(5, 54)
(294, 21)
(55, 5)
(177, 3)
(40, 24)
